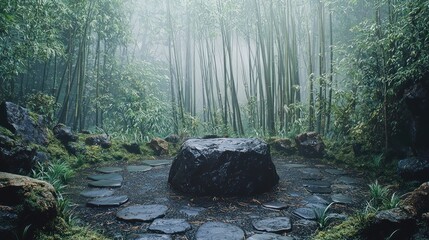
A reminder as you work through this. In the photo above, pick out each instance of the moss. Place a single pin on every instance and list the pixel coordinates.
(60, 230)
(348, 230)
(6, 132)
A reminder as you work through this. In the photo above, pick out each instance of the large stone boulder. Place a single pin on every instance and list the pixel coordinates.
(414, 169)
(310, 144)
(392, 224)
(16, 157)
(24, 202)
(30, 127)
(417, 202)
(223, 167)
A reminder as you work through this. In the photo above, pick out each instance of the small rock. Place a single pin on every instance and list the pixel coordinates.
(314, 199)
(143, 213)
(219, 230)
(101, 140)
(132, 148)
(172, 138)
(284, 145)
(277, 224)
(311, 174)
(112, 201)
(159, 146)
(170, 226)
(347, 180)
(319, 189)
(64, 133)
(310, 144)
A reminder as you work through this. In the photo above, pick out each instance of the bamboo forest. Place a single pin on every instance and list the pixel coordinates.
(214, 119)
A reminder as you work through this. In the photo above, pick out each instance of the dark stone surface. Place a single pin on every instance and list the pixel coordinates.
(112, 201)
(25, 201)
(388, 221)
(156, 163)
(64, 133)
(277, 224)
(417, 100)
(319, 189)
(219, 230)
(348, 180)
(191, 211)
(305, 213)
(414, 169)
(101, 140)
(310, 145)
(16, 157)
(132, 148)
(108, 176)
(170, 226)
(314, 199)
(106, 183)
(342, 199)
(19, 121)
(311, 174)
(335, 171)
(143, 213)
(223, 167)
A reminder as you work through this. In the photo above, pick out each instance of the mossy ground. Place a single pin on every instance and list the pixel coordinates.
(350, 229)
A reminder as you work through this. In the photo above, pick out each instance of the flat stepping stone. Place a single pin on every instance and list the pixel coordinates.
(335, 172)
(105, 183)
(108, 176)
(170, 226)
(191, 211)
(305, 213)
(311, 173)
(97, 193)
(152, 236)
(275, 205)
(294, 165)
(316, 184)
(112, 201)
(314, 199)
(277, 224)
(269, 236)
(319, 190)
(142, 168)
(156, 163)
(342, 199)
(109, 169)
(219, 230)
(143, 213)
(347, 180)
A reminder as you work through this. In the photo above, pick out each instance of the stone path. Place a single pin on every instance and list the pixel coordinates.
(135, 202)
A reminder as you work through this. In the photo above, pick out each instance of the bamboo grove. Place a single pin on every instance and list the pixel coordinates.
(144, 68)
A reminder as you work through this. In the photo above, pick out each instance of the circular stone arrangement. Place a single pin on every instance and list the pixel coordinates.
(153, 212)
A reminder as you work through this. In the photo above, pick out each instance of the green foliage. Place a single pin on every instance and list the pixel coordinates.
(42, 104)
(322, 216)
(56, 173)
(381, 199)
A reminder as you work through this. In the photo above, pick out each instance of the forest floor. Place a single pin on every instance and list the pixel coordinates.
(297, 176)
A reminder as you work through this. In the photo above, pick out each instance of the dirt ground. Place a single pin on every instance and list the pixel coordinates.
(152, 188)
